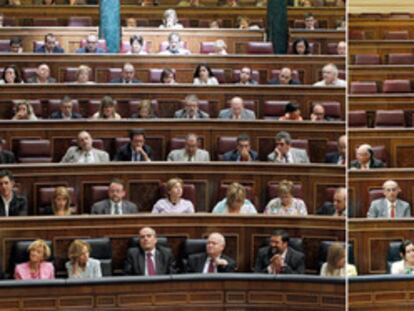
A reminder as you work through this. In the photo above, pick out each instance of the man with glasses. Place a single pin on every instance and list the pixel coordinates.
(91, 46)
(389, 206)
(284, 78)
(50, 46)
(128, 75)
(285, 153)
(191, 110)
(246, 77)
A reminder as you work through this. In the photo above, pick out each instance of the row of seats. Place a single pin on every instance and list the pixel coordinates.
(40, 150)
(386, 86)
(390, 59)
(383, 16)
(388, 35)
(382, 118)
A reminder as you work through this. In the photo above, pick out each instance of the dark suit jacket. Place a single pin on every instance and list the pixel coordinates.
(234, 155)
(84, 51)
(277, 82)
(56, 50)
(135, 261)
(7, 157)
(327, 209)
(124, 153)
(58, 115)
(120, 80)
(18, 206)
(332, 157)
(294, 261)
(196, 262)
(375, 163)
(104, 207)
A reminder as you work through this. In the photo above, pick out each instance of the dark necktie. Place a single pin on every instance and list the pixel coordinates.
(211, 268)
(135, 156)
(150, 265)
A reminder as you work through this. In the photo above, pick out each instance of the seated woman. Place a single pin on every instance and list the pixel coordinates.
(235, 202)
(24, 111)
(335, 264)
(145, 110)
(80, 265)
(48, 2)
(292, 113)
(137, 45)
(203, 75)
(243, 22)
(11, 75)
(170, 20)
(37, 268)
(130, 22)
(214, 24)
(406, 265)
(220, 48)
(301, 47)
(168, 76)
(107, 110)
(174, 203)
(285, 204)
(61, 202)
(82, 75)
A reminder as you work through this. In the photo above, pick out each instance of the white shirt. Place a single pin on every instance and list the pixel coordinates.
(7, 205)
(337, 82)
(113, 209)
(207, 264)
(87, 157)
(153, 260)
(270, 268)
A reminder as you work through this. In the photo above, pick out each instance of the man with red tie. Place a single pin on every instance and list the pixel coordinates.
(213, 260)
(149, 258)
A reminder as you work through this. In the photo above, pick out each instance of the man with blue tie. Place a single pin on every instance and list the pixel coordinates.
(136, 150)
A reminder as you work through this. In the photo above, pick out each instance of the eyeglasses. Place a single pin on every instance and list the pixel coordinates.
(391, 189)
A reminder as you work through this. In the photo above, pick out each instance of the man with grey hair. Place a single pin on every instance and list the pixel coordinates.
(212, 260)
(191, 109)
(337, 207)
(175, 46)
(365, 159)
(42, 75)
(237, 111)
(128, 75)
(330, 77)
(389, 206)
(190, 152)
(284, 153)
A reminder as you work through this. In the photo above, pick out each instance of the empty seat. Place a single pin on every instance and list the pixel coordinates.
(259, 48)
(45, 199)
(367, 59)
(207, 47)
(393, 254)
(28, 73)
(357, 118)
(92, 106)
(80, 21)
(301, 144)
(396, 86)
(101, 44)
(4, 45)
(34, 151)
(332, 109)
(375, 194)
(99, 193)
(45, 22)
(189, 192)
(357, 35)
(114, 73)
(332, 48)
(274, 109)
(397, 35)
(389, 118)
(254, 76)
(359, 87)
(219, 74)
(225, 144)
(401, 59)
(273, 190)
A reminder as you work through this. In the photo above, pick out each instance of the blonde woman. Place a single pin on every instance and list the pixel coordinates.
(173, 203)
(335, 264)
(107, 110)
(285, 204)
(82, 75)
(80, 265)
(61, 202)
(24, 111)
(235, 202)
(37, 268)
(145, 110)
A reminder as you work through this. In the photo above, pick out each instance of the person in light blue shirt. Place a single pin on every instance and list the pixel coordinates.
(80, 265)
(235, 202)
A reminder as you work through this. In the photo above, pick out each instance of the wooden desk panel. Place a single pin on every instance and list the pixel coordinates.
(375, 29)
(371, 239)
(143, 180)
(244, 234)
(360, 182)
(380, 47)
(374, 102)
(379, 73)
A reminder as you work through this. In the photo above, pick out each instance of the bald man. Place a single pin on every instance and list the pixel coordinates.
(91, 46)
(339, 156)
(365, 159)
(42, 75)
(127, 76)
(389, 206)
(84, 151)
(341, 48)
(285, 78)
(337, 207)
(212, 260)
(190, 152)
(237, 111)
(330, 77)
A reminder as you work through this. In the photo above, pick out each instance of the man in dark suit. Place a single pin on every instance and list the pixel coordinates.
(149, 258)
(136, 150)
(337, 207)
(191, 109)
(213, 260)
(285, 78)
(66, 110)
(278, 257)
(6, 156)
(365, 159)
(91, 46)
(11, 204)
(128, 75)
(243, 152)
(50, 46)
(339, 156)
(115, 205)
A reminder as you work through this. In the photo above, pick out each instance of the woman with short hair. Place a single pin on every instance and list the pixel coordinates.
(335, 264)
(173, 203)
(285, 204)
(80, 265)
(235, 202)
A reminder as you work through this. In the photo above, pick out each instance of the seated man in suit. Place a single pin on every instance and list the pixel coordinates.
(128, 75)
(190, 152)
(84, 152)
(91, 46)
(6, 156)
(285, 78)
(115, 204)
(365, 159)
(42, 75)
(318, 114)
(11, 204)
(50, 46)
(149, 258)
(237, 111)
(175, 46)
(16, 45)
(330, 77)
(213, 260)
(66, 110)
(310, 21)
(191, 110)
(284, 153)
(339, 156)
(338, 207)
(246, 77)
(279, 257)
(136, 150)
(390, 206)
(243, 152)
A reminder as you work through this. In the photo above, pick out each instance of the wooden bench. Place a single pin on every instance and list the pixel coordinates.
(380, 47)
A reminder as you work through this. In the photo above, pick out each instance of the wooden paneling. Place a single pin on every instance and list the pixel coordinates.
(244, 234)
(379, 6)
(143, 180)
(380, 47)
(376, 28)
(374, 102)
(379, 73)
